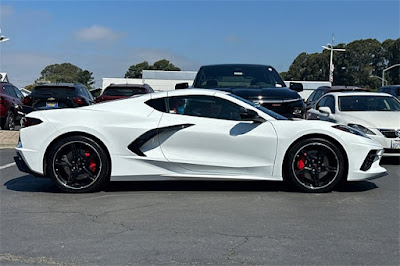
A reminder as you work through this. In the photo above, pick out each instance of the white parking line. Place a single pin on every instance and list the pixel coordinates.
(6, 166)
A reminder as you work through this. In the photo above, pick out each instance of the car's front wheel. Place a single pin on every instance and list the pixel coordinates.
(314, 165)
(78, 164)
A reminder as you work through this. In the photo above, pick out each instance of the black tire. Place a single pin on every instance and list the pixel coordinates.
(314, 165)
(9, 122)
(78, 164)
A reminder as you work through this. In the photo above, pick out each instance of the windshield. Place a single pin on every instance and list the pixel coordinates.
(117, 91)
(368, 103)
(237, 76)
(261, 108)
(55, 91)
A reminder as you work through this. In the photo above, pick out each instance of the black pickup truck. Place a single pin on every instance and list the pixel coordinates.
(260, 84)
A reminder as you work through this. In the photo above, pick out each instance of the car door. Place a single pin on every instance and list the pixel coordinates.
(207, 136)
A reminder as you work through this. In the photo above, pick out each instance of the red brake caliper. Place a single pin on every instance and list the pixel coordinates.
(92, 164)
(301, 163)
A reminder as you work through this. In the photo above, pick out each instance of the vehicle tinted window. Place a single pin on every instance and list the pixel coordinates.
(261, 108)
(368, 103)
(158, 104)
(204, 106)
(18, 92)
(53, 91)
(10, 91)
(318, 95)
(321, 102)
(234, 76)
(123, 91)
(330, 102)
(311, 97)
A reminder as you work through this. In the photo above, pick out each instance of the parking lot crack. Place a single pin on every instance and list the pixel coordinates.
(233, 251)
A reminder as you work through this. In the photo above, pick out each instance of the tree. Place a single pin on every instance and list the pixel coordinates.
(362, 60)
(135, 71)
(66, 72)
(392, 57)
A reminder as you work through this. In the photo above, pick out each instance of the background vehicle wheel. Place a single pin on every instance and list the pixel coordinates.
(314, 165)
(9, 122)
(78, 164)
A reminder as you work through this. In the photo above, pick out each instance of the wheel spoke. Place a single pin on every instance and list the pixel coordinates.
(315, 178)
(329, 168)
(302, 171)
(62, 164)
(71, 178)
(89, 173)
(322, 153)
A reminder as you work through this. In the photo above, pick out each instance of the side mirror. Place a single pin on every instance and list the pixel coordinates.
(180, 86)
(296, 86)
(250, 115)
(325, 110)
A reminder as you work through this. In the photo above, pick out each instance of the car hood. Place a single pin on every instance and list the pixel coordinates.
(375, 119)
(283, 93)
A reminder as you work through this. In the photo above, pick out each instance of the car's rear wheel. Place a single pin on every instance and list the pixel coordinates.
(314, 165)
(9, 122)
(78, 164)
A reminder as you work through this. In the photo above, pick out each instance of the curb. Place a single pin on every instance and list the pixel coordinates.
(8, 139)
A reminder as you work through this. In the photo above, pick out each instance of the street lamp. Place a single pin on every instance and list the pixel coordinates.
(383, 73)
(373, 76)
(331, 67)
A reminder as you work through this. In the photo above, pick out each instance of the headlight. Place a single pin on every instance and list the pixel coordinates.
(351, 130)
(362, 129)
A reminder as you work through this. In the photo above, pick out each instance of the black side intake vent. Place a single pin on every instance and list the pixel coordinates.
(141, 140)
(368, 160)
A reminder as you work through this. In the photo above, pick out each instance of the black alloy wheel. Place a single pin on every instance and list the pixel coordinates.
(315, 165)
(78, 164)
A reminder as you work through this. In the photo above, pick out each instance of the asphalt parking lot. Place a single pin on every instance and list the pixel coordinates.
(177, 223)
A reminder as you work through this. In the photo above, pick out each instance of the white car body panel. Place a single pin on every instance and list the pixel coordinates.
(211, 148)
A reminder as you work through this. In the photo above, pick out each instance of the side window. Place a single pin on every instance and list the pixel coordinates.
(10, 91)
(321, 102)
(18, 93)
(158, 104)
(330, 102)
(311, 97)
(204, 106)
(318, 95)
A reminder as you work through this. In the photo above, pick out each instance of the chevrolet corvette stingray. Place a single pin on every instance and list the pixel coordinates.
(191, 134)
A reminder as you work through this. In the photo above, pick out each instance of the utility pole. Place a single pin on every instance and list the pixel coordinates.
(383, 73)
(331, 66)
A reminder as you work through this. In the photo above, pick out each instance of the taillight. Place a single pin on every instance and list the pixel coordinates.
(78, 100)
(1, 100)
(30, 121)
(27, 100)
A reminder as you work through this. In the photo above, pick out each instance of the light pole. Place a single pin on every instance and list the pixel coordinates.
(331, 67)
(383, 73)
(373, 76)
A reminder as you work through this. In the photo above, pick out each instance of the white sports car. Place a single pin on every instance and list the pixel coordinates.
(191, 134)
(375, 114)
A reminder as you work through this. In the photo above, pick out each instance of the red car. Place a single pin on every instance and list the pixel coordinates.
(10, 105)
(119, 91)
